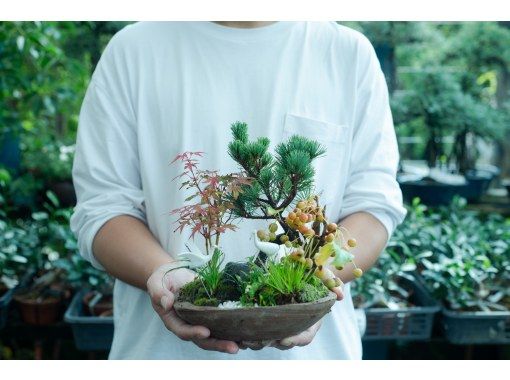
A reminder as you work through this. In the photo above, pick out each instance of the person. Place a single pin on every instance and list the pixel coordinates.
(162, 88)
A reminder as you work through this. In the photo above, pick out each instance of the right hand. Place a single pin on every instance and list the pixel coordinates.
(163, 290)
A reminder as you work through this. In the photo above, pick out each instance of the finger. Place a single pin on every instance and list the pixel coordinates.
(256, 345)
(181, 328)
(156, 291)
(167, 301)
(213, 344)
(297, 340)
(163, 304)
(280, 347)
(339, 293)
(241, 346)
(301, 339)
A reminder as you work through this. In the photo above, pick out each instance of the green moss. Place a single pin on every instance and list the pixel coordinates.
(259, 292)
(311, 293)
(206, 301)
(195, 293)
(192, 291)
(228, 291)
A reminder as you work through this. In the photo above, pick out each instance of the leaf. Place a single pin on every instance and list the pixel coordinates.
(408, 267)
(20, 42)
(190, 197)
(19, 259)
(53, 198)
(38, 216)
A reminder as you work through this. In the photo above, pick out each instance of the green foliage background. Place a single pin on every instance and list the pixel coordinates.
(444, 79)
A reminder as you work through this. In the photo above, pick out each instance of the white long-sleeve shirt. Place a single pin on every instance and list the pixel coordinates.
(162, 88)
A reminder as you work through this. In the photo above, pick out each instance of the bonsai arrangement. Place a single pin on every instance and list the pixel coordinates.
(440, 106)
(290, 276)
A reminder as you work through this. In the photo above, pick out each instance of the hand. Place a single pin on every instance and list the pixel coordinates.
(163, 290)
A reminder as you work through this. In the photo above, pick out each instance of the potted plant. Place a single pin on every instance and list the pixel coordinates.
(90, 313)
(438, 105)
(41, 299)
(395, 301)
(477, 121)
(285, 288)
(468, 271)
(10, 263)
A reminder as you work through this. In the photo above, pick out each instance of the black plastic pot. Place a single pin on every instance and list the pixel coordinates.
(478, 182)
(413, 323)
(431, 193)
(5, 300)
(477, 327)
(90, 333)
(506, 185)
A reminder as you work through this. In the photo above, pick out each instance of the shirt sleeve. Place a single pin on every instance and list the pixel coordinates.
(371, 185)
(106, 168)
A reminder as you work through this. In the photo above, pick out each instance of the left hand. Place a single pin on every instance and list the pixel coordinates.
(302, 339)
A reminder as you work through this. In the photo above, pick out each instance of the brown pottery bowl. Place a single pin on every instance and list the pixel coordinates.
(256, 323)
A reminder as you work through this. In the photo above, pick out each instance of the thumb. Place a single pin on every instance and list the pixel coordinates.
(167, 301)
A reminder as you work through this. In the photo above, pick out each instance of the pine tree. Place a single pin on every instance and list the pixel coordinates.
(277, 179)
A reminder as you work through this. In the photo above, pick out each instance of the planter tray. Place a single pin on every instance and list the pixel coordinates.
(462, 327)
(256, 323)
(7, 297)
(90, 333)
(431, 194)
(414, 323)
(5, 300)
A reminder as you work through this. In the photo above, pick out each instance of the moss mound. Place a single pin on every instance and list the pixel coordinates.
(195, 293)
(311, 293)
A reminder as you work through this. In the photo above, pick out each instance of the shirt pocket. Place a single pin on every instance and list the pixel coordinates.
(331, 168)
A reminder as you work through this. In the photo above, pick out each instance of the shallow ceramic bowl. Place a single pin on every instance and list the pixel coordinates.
(256, 323)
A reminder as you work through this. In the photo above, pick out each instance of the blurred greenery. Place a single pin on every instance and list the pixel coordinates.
(462, 256)
(46, 67)
(45, 242)
(448, 82)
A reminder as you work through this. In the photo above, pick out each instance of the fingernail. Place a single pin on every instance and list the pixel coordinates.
(286, 342)
(164, 302)
(232, 350)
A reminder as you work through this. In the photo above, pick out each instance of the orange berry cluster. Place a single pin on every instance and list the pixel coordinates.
(306, 211)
